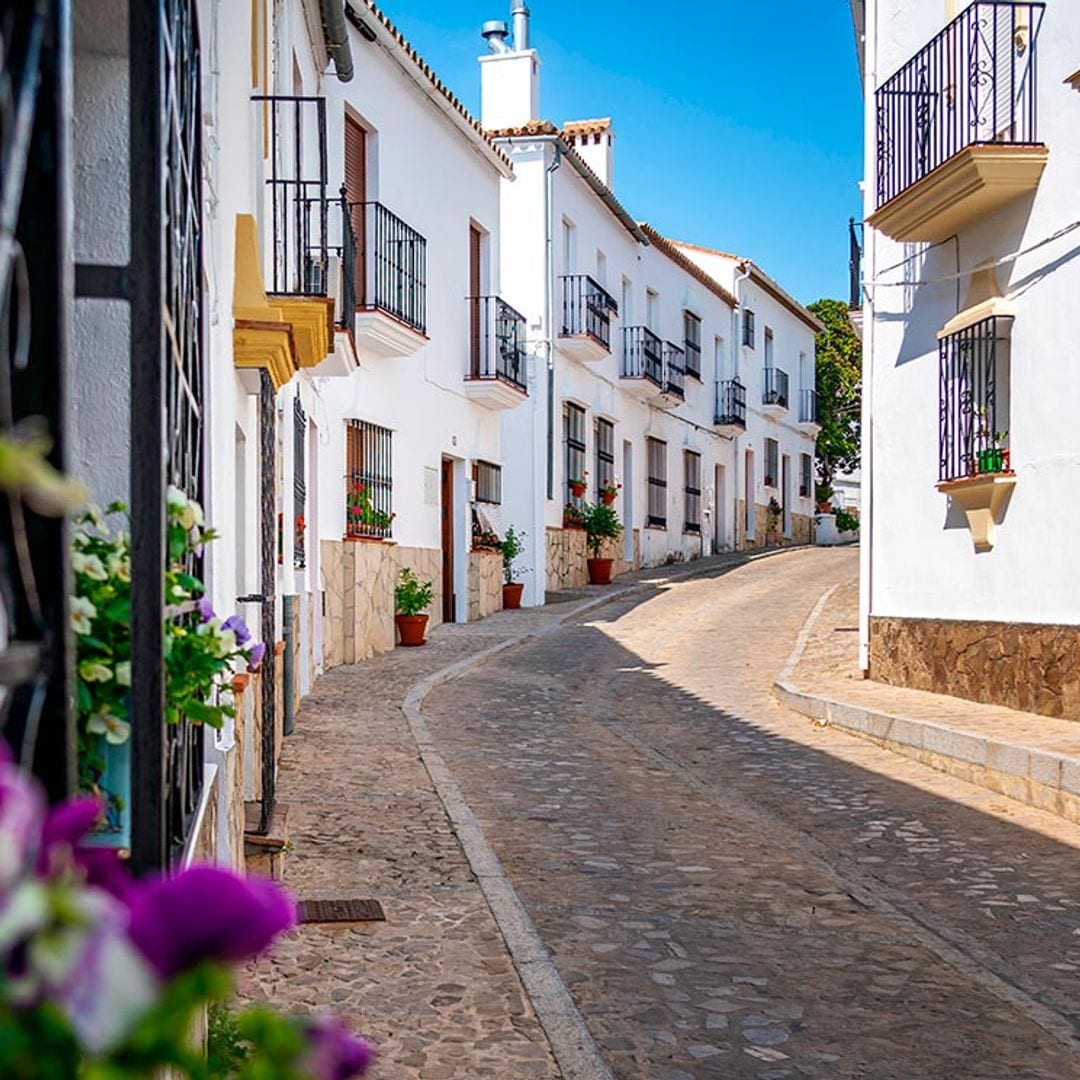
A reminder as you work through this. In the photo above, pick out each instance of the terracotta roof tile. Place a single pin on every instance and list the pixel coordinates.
(662, 243)
(587, 127)
(533, 127)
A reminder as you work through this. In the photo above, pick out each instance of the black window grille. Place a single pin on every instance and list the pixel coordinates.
(300, 525)
(772, 462)
(973, 84)
(775, 390)
(488, 480)
(369, 480)
(674, 373)
(656, 465)
(574, 434)
(855, 234)
(731, 403)
(643, 355)
(748, 331)
(692, 344)
(806, 476)
(391, 267)
(808, 407)
(605, 455)
(496, 341)
(692, 491)
(973, 436)
(587, 309)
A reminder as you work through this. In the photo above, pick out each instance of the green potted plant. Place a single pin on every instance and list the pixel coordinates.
(609, 492)
(412, 597)
(772, 529)
(572, 517)
(600, 523)
(995, 458)
(512, 546)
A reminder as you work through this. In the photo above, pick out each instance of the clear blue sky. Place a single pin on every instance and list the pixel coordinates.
(738, 124)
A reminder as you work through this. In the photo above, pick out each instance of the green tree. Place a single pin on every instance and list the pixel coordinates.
(839, 388)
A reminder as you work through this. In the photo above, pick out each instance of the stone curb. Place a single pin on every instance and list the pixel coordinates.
(572, 1044)
(1045, 779)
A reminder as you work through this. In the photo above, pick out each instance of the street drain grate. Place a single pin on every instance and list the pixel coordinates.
(331, 911)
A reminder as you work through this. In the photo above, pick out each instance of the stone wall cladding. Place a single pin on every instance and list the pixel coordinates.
(1026, 666)
(802, 529)
(485, 584)
(567, 553)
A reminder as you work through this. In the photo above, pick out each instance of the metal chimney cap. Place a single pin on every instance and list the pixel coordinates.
(494, 28)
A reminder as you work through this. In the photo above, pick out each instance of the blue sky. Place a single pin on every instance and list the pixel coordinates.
(738, 124)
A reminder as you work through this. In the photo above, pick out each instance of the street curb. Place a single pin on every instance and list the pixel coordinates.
(572, 1044)
(1044, 779)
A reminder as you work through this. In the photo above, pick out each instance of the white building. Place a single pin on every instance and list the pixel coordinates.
(970, 449)
(674, 371)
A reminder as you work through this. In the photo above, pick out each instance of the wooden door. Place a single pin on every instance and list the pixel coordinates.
(476, 307)
(356, 194)
(449, 608)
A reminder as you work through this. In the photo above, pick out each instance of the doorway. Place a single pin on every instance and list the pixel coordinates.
(751, 531)
(720, 509)
(449, 605)
(628, 500)
(785, 492)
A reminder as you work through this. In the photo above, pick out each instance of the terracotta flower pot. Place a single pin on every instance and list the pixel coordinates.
(608, 497)
(577, 490)
(600, 571)
(411, 629)
(824, 507)
(512, 595)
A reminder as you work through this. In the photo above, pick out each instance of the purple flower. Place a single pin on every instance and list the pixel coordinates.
(334, 1052)
(206, 913)
(66, 825)
(239, 628)
(205, 609)
(256, 656)
(22, 809)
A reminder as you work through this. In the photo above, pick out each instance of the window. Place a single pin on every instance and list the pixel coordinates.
(487, 480)
(768, 348)
(692, 491)
(569, 241)
(692, 339)
(574, 445)
(605, 455)
(718, 357)
(627, 308)
(806, 476)
(652, 310)
(601, 267)
(748, 332)
(299, 484)
(973, 401)
(772, 462)
(369, 480)
(656, 462)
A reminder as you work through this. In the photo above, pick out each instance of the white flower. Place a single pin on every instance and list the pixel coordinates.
(116, 731)
(119, 566)
(94, 671)
(187, 513)
(226, 644)
(123, 673)
(82, 614)
(90, 565)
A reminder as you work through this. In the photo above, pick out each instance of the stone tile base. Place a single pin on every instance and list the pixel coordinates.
(802, 529)
(567, 553)
(1026, 666)
(485, 584)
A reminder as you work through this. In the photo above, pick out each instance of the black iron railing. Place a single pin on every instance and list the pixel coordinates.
(643, 355)
(674, 371)
(775, 390)
(391, 265)
(808, 407)
(300, 525)
(587, 309)
(855, 234)
(973, 405)
(972, 85)
(730, 403)
(496, 341)
(369, 481)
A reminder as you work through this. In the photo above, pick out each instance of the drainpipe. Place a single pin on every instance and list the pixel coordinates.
(288, 720)
(549, 314)
(736, 345)
(336, 35)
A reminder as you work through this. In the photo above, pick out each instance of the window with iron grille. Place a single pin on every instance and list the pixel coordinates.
(806, 476)
(605, 455)
(748, 328)
(487, 479)
(692, 491)
(368, 480)
(574, 446)
(656, 464)
(772, 462)
(973, 400)
(692, 343)
(299, 485)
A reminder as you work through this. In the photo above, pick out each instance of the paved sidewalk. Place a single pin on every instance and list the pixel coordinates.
(1031, 758)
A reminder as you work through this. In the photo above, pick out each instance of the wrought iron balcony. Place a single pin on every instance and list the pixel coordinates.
(586, 313)
(775, 391)
(391, 266)
(730, 404)
(966, 100)
(643, 355)
(674, 371)
(808, 407)
(855, 231)
(497, 374)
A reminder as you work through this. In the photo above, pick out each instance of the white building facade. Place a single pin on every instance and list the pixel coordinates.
(970, 448)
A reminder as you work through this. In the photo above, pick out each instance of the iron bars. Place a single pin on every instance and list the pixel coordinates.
(299, 485)
(391, 267)
(972, 85)
(808, 407)
(674, 371)
(587, 309)
(730, 403)
(369, 481)
(496, 341)
(775, 390)
(643, 355)
(855, 234)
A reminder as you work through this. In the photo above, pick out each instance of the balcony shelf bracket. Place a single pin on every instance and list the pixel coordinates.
(983, 500)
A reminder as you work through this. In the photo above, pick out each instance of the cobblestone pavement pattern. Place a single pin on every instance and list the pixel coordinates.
(730, 890)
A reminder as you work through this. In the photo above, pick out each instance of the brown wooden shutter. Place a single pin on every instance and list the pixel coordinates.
(475, 305)
(356, 193)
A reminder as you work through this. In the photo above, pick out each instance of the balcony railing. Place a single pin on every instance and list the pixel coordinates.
(327, 255)
(497, 341)
(855, 232)
(776, 387)
(808, 413)
(391, 265)
(587, 309)
(674, 370)
(972, 85)
(731, 403)
(643, 355)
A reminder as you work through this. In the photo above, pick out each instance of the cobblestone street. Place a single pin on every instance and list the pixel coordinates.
(726, 888)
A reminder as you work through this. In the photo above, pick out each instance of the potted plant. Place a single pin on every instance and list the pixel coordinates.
(572, 517)
(600, 523)
(772, 531)
(995, 458)
(411, 599)
(511, 548)
(823, 498)
(362, 519)
(609, 492)
(578, 485)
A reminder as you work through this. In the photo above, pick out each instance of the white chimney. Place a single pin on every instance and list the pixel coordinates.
(509, 75)
(595, 142)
